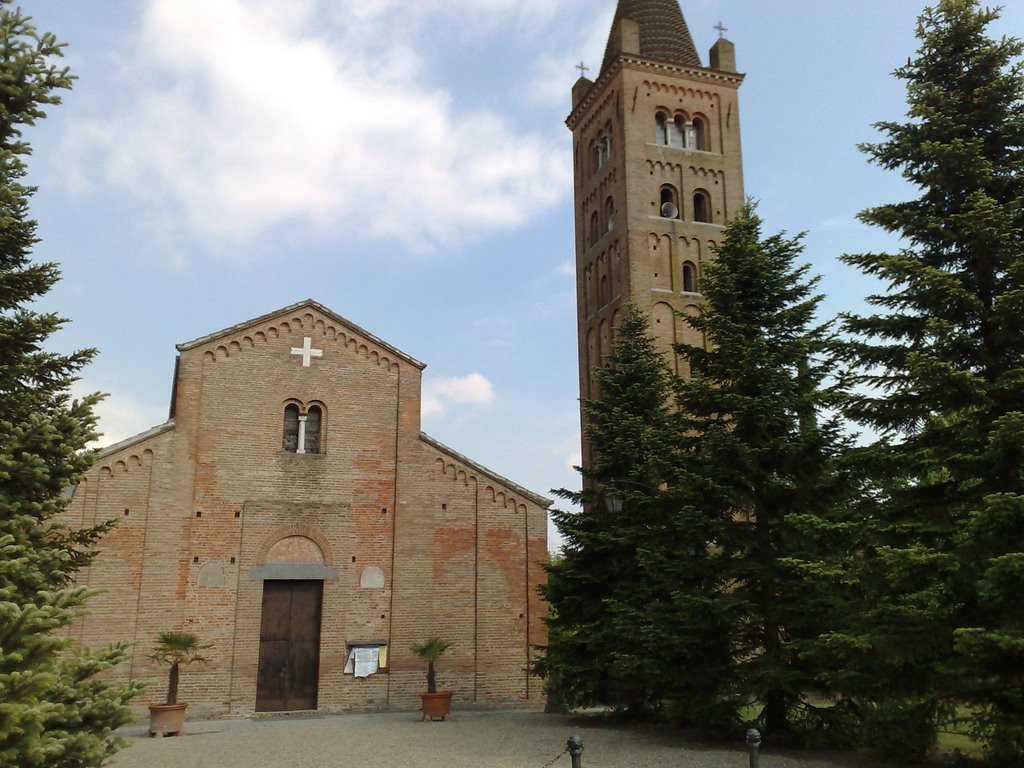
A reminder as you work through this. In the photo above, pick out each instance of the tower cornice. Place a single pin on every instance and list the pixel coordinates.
(643, 64)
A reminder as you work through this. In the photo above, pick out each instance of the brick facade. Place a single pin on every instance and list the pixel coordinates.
(410, 538)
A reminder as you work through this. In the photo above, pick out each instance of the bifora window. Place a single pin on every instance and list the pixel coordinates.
(301, 431)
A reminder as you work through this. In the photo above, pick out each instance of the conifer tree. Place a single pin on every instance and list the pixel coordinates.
(943, 360)
(627, 429)
(53, 711)
(766, 453)
(621, 631)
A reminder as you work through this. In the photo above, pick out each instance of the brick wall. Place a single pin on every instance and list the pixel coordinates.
(209, 494)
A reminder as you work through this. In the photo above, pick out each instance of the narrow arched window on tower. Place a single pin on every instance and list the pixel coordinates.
(595, 234)
(661, 129)
(701, 206)
(700, 134)
(609, 213)
(677, 132)
(290, 439)
(669, 205)
(689, 277)
(314, 417)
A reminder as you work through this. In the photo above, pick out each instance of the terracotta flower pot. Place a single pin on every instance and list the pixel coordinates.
(167, 719)
(437, 706)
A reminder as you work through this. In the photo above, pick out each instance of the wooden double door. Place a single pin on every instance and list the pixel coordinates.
(289, 664)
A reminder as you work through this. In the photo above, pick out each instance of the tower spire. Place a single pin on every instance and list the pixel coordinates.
(663, 32)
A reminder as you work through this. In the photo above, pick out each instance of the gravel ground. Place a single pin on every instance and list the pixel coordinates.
(503, 739)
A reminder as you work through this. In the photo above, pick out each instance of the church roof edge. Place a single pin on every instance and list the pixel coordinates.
(129, 441)
(305, 304)
(536, 498)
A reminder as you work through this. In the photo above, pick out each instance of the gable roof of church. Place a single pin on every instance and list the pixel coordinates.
(291, 309)
(663, 32)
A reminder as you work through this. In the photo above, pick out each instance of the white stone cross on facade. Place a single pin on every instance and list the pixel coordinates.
(307, 351)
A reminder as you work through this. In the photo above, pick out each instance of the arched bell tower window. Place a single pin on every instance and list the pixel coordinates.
(700, 133)
(689, 277)
(609, 214)
(669, 205)
(661, 129)
(677, 132)
(701, 206)
(595, 233)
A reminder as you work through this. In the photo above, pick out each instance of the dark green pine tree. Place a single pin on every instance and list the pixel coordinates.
(767, 456)
(942, 362)
(53, 711)
(610, 636)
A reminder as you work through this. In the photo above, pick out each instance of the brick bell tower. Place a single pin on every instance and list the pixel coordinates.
(658, 171)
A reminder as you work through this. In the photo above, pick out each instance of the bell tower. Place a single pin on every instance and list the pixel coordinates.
(657, 172)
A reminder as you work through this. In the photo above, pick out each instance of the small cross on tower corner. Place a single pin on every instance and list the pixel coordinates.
(583, 68)
(721, 30)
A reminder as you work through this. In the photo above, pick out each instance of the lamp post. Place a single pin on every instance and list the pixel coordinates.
(613, 501)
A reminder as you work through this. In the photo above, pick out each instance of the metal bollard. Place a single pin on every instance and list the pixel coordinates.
(754, 745)
(574, 745)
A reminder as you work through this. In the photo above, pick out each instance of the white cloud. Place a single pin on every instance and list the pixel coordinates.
(121, 415)
(243, 116)
(440, 394)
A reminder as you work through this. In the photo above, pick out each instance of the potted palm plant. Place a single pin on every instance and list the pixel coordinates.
(435, 705)
(174, 649)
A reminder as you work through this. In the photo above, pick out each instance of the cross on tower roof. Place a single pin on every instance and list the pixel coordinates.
(583, 68)
(721, 30)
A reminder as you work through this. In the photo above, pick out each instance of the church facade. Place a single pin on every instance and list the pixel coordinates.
(292, 514)
(657, 173)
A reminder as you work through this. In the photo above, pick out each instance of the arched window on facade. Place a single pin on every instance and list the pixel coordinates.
(609, 214)
(689, 277)
(700, 134)
(595, 234)
(595, 157)
(668, 206)
(701, 206)
(314, 418)
(302, 431)
(661, 129)
(290, 439)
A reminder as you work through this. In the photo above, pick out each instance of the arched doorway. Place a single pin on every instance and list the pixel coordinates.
(289, 661)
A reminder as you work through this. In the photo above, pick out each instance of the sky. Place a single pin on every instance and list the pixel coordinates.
(407, 165)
